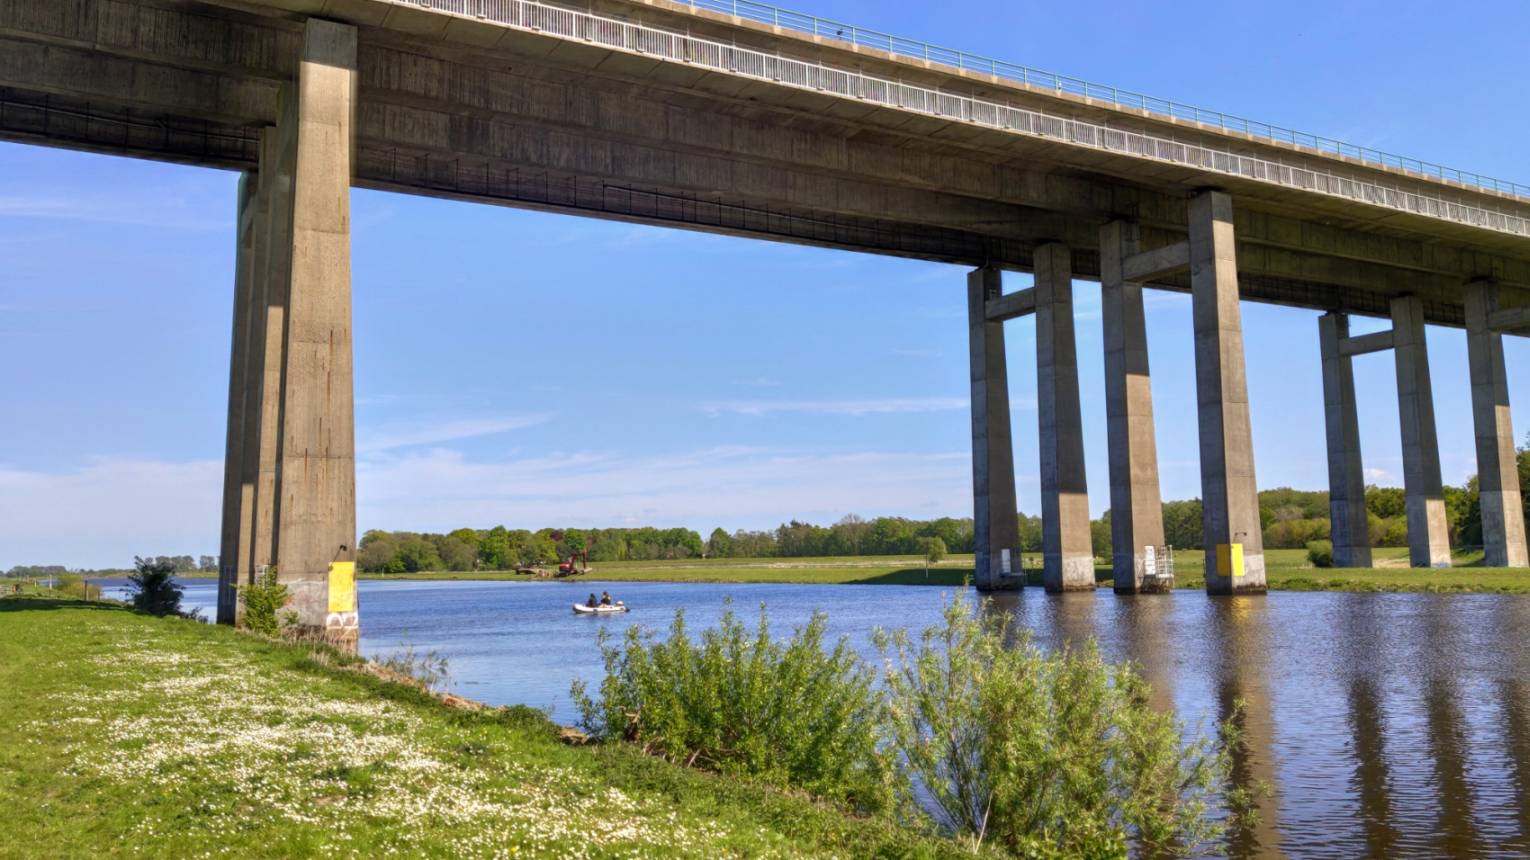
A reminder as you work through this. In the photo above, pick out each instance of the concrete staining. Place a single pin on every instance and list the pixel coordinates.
(311, 97)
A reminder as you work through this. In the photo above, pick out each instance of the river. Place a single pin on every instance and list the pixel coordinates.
(1382, 724)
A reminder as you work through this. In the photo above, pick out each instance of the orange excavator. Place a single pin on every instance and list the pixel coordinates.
(571, 567)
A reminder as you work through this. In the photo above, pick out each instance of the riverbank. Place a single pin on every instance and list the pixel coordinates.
(1287, 570)
(120, 732)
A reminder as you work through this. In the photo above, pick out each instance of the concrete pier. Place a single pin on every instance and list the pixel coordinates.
(1067, 555)
(1233, 536)
(1136, 505)
(996, 528)
(1428, 536)
(317, 496)
(1503, 518)
(278, 147)
(1346, 475)
(296, 505)
(244, 287)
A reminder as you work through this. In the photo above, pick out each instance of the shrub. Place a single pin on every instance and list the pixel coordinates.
(430, 668)
(74, 585)
(789, 713)
(1320, 553)
(153, 588)
(263, 601)
(1049, 755)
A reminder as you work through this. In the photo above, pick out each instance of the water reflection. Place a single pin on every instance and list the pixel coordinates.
(1237, 648)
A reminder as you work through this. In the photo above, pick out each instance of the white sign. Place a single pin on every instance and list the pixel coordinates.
(1004, 562)
(1149, 561)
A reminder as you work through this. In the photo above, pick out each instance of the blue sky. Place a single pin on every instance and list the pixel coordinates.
(533, 369)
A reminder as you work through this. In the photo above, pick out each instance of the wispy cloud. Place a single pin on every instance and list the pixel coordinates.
(144, 210)
(109, 509)
(728, 486)
(435, 432)
(888, 406)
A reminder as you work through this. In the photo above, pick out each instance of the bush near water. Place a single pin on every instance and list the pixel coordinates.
(1012, 748)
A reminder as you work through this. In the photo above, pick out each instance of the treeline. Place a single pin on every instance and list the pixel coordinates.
(501, 548)
(178, 563)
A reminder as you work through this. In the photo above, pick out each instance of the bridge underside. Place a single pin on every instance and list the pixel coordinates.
(390, 98)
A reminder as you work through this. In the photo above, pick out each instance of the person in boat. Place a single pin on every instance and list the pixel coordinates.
(605, 598)
(592, 602)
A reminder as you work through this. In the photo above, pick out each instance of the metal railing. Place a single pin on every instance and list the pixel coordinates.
(647, 40)
(1119, 98)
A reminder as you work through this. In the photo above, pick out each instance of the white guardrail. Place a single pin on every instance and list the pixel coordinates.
(647, 40)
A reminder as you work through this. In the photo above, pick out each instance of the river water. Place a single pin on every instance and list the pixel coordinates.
(1383, 725)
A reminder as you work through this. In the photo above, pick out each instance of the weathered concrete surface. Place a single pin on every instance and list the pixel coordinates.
(279, 148)
(1503, 518)
(1346, 475)
(317, 517)
(1228, 490)
(1428, 535)
(248, 213)
(996, 527)
(1136, 506)
(1067, 555)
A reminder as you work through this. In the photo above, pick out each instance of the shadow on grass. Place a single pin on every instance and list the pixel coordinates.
(27, 602)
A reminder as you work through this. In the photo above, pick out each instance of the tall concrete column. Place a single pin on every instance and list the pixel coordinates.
(996, 528)
(1346, 476)
(269, 363)
(1067, 553)
(1136, 505)
(317, 480)
(233, 457)
(1428, 537)
(1503, 517)
(1228, 490)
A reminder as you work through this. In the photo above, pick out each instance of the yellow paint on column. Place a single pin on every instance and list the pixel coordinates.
(342, 586)
(1230, 560)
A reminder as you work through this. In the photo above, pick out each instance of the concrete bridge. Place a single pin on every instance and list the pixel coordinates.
(742, 119)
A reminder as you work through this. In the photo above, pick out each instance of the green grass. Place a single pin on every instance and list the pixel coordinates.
(126, 734)
(1286, 570)
(866, 570)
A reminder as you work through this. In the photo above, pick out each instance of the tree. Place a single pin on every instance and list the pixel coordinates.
(494, 551)
(457, 554)
(720, 544)
(153, 587)
(934, 552)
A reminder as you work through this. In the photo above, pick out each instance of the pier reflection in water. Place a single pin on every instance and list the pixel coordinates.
(1383, 725)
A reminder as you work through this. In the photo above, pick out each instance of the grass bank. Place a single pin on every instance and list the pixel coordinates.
(126, 734)
(1286, 570)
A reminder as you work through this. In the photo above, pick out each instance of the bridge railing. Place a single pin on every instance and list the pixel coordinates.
(859, 36)
(644, 39)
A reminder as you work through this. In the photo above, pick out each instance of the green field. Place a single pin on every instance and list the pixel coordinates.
(123, 734)
(1286, 569)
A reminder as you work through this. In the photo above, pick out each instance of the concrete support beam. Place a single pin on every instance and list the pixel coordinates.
(1512, 320)
(1503, 517)
(317, 497)
(1228, 489)
(1428, 538)
(1346, 476)
(1136, 506)
(1067, 554)
(1364, 344)
(996, 527)
(1147, 265)
(1011, 306)
(250, 201)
